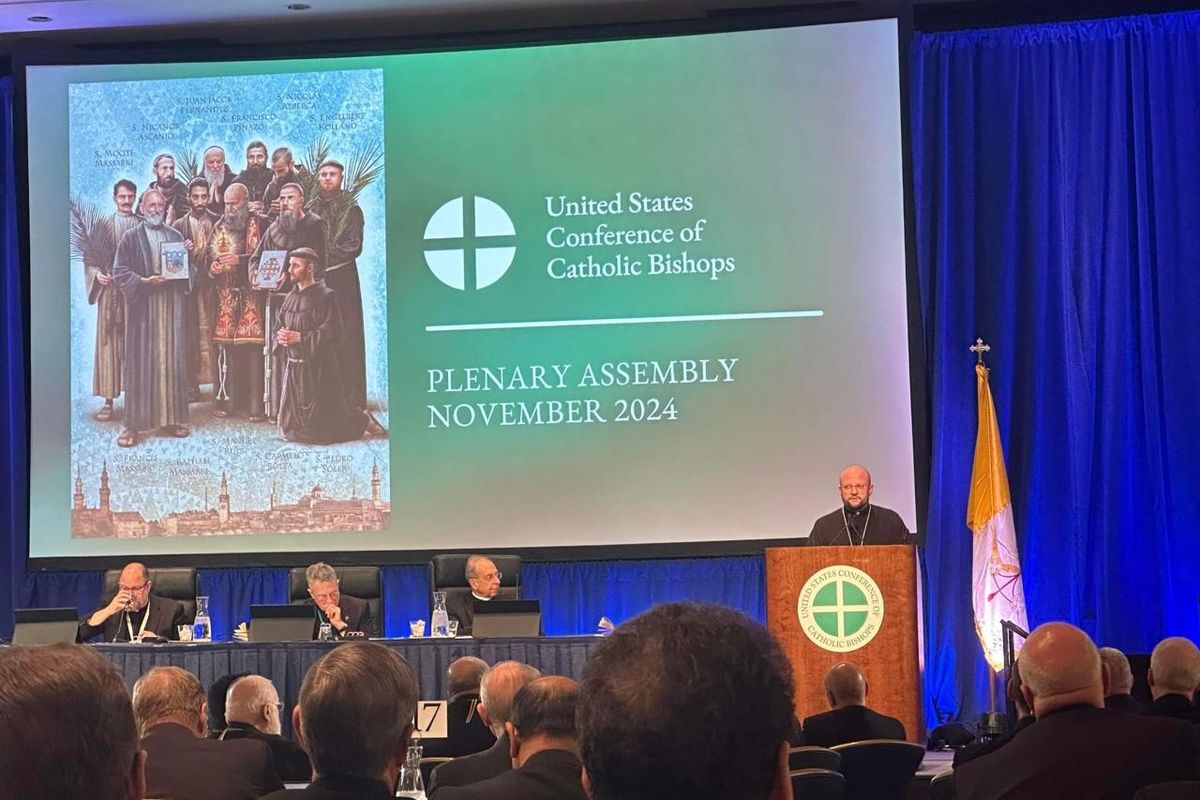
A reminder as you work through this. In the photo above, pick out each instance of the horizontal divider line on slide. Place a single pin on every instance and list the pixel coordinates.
(580, 323)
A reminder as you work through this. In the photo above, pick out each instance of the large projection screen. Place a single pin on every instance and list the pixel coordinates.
(637, 292)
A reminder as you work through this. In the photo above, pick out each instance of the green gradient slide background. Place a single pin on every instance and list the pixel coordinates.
(788, 142)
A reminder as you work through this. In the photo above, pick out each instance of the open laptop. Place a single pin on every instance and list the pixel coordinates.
(507, 618)
(281, 623)
(45, 625)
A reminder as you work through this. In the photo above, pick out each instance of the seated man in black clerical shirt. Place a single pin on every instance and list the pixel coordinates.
(466, 732)
(253, 711)
(1173, 677)
(858, 521)
(345, 614)
(1120, 682)
(134, 613)
(484, 580)
(849, 719)
(543, 745)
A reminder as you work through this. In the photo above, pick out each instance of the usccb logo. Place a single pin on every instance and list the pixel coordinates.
(469, 242)
(840, 609)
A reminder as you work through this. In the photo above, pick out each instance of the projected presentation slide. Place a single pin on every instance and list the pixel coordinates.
(614, 293)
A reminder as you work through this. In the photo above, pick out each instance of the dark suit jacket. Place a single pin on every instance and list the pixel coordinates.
(465, 731)
(1177, 706)
(850, 724)
(289, 758)
(356, 614)
(183, 766)
(165, 616)
(974, 751)
(547, 775)
(472, 769)
(336, 787)
(1125, 702)
(1082, 751)
(462, 608)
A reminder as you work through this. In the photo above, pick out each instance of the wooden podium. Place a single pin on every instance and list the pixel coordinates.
(831, 604)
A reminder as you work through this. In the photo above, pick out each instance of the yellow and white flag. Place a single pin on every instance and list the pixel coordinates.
(996, 592)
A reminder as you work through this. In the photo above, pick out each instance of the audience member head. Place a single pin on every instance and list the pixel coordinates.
(497, 689)
(1012, 690)
(1174, 668)
(170, 694)
(216, 701)
(1120, 675)
(543, 718)
(483, 577)
(355, 713)
(1060, 666)
(845, 685)
(686, 700)
(464, 675)
(252, 700)
(66, 726)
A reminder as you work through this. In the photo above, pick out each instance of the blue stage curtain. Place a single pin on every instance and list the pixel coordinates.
(405, 597)
(1057, 183)
(231, 592)
(13, 448)
(575, 595)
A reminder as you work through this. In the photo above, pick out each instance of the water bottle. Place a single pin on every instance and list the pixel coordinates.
(202, 627)
(440, 621)
(411, 785)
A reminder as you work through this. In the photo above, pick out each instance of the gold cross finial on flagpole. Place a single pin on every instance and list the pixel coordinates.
(979, 348)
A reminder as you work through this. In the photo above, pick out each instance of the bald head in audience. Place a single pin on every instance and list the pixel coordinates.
(845, 685)
(1174, 668)
(686, 700)
(66, 726)
(170, 695)
(252, 700)
(1060, 666)
(499, 686)
(464, 675)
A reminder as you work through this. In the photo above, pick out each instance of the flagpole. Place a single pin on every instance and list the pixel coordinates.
(979, 348)
(997, 593)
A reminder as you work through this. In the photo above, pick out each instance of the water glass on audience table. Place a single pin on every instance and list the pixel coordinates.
(452, 628)
(411, 784)
(416, 628)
